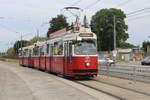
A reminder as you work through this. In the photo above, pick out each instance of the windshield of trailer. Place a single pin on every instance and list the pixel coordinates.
(85, 48)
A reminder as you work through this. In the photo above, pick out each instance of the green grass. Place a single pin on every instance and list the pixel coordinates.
(8, 60)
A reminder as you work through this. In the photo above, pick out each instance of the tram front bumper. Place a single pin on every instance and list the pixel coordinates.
(85, 72)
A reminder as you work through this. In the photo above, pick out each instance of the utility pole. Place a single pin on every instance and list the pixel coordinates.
(114, 52)
(114, 32)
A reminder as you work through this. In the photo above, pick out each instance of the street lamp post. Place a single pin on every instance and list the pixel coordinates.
(100, 39)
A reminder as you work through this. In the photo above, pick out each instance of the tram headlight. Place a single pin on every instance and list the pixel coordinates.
(87, 64)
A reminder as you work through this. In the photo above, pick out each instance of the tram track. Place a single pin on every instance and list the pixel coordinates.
(110, 94)
(133, 90)
(116, 91)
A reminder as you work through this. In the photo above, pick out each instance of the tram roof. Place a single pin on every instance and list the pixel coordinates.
(67, 36)
(27, 47)
(71, 35)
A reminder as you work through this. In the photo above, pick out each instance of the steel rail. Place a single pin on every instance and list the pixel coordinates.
(110, 94)
(129, 89)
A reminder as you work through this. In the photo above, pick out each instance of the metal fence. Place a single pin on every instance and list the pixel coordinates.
(132, 72)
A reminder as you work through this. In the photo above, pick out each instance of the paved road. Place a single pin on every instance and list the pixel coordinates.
(12, 87)
(20, 83)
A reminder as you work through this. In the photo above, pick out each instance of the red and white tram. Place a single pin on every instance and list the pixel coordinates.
(69, 53)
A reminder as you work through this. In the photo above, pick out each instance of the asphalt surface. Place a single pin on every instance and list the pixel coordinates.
(12, 87)
(21, 83)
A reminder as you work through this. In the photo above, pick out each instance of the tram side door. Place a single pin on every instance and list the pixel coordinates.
(67, 56)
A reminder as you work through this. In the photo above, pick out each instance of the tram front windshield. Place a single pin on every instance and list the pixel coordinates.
(85, 48)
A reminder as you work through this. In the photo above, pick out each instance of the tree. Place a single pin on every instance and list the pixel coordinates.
(102, 24)
(35, 39)
(145, 44)
(127, 45)
(2, 53)
(10, 52)
(57, 23)
(19, 44)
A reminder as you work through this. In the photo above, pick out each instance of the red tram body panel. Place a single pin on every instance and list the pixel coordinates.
(57, 64)
(20, 60)
(36, 62)
(42, 62)
(48, 63)
(25, 61)
(85, 65)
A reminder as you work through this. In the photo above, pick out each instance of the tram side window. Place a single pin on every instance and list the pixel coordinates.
(65, 49)
(47, 49)
(41, 51)
(70, 49)
(36, 51)
(25, 53)
(55, 49)
(58, 48)
(30, 53)
(20, 52)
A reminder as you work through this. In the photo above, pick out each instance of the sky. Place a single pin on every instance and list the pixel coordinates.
(27, 16)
